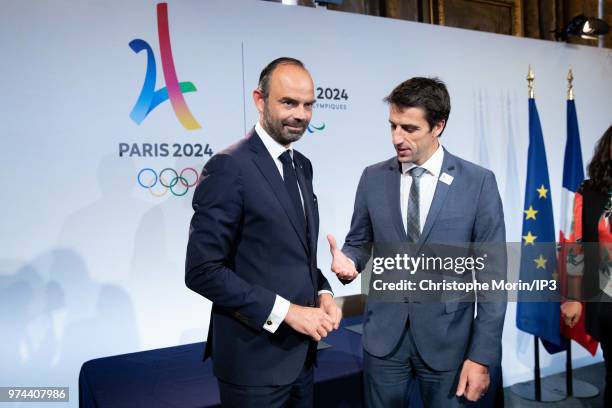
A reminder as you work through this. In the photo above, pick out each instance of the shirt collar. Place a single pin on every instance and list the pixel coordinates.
(274, 148)
(433, 165)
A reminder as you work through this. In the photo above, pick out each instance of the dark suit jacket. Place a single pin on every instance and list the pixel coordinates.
(469, 210)
(245, 246)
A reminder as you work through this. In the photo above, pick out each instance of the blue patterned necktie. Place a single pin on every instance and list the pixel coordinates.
(413, 228)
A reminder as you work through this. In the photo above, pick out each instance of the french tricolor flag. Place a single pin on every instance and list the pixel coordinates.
(573, 175)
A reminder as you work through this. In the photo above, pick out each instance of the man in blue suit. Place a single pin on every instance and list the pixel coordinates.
(425, 195)
(252, 252)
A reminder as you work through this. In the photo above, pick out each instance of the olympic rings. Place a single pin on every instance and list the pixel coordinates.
(162, 179)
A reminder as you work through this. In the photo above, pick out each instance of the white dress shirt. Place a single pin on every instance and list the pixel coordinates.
(427, 185)
(281, 305)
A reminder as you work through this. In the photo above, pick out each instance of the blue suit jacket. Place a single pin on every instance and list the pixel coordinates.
(467, 210)
(246, 244)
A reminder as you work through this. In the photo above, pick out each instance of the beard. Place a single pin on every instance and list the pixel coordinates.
(277, 130)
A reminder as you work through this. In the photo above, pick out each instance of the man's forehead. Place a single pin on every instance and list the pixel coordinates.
(412, 112)
(291, 75)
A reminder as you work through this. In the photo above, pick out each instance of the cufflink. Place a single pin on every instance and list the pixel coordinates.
(269, 322)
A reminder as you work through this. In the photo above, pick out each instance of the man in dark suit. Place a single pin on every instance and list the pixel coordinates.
(252, 252)
(425, 195)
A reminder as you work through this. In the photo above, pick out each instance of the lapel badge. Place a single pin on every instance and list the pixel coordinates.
(446, 178)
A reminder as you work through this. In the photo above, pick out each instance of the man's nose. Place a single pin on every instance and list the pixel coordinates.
(301, 113)
(396, 137)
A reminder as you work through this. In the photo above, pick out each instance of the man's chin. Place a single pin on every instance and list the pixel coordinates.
(291, 137)
(286, 140)
(294, 129)
(404, 159)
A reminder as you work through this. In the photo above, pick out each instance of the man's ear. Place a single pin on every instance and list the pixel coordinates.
(259, 100)
(439, 127)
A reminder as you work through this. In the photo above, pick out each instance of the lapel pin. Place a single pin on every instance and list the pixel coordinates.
(446, 178)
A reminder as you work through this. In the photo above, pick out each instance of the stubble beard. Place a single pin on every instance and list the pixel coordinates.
(276, 130)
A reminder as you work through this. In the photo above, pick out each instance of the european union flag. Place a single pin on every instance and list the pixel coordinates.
(538, 250)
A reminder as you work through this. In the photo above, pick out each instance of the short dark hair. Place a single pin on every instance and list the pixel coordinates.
(266, 73)
(429, 94)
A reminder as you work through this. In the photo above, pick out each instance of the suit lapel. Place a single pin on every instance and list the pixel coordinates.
(268, 169)
(448, 166)
(392, 183)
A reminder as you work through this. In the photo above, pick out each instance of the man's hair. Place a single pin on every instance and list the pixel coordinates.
(266, 73)
(429, 94)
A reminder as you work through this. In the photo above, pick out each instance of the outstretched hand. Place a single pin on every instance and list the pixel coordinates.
(341, 265)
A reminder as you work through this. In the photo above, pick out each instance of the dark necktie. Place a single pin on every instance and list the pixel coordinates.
(291, 184)
(413, 228)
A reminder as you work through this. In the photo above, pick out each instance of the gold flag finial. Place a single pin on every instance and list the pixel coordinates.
(570, 85)
(530, 78)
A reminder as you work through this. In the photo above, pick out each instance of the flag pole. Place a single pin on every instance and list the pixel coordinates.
(537, 383)
(569, 371)
(574, 387)
(570, 85)
(530, 78)
(532, 390)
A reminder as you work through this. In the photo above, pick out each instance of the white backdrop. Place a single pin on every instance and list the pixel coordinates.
(91, 263)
